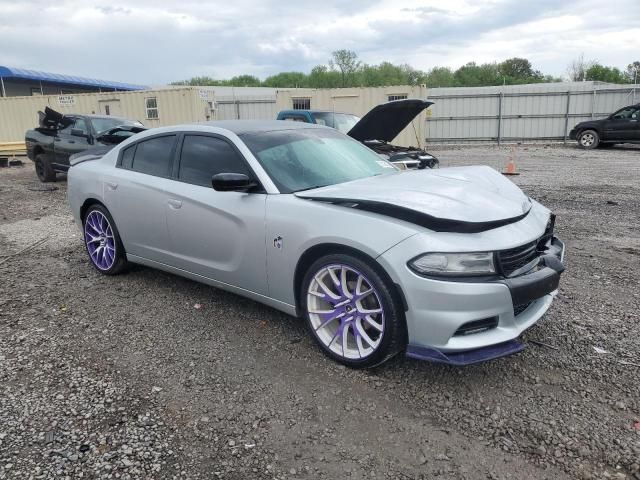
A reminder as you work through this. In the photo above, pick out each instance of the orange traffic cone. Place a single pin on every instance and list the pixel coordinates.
(511, 164)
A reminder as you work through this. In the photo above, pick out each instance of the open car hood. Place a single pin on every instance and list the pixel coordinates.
(387, 120)
(459, 199)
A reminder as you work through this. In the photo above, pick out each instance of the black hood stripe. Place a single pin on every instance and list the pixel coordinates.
(418, 218)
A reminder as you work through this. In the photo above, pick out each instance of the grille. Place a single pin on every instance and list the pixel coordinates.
(515, 258)
(518, 309)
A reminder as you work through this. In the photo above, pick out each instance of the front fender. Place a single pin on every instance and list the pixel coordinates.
(294, 225)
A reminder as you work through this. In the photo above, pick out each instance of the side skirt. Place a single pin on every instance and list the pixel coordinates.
(272, 302)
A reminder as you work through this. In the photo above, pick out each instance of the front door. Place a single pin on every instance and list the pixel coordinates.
(622, 126)
(219, 235)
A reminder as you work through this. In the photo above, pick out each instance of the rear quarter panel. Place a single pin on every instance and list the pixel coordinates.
(38, 142)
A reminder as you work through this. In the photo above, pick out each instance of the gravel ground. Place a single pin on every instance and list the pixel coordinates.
(148, 375)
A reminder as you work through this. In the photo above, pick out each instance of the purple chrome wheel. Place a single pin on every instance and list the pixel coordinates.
(345, 311)
(101, 244)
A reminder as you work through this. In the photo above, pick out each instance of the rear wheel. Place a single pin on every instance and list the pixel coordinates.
(352, 311)
(44, 170)
(102, 241)
(588, 139)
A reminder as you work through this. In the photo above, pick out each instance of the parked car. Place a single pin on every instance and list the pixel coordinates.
(376, 129)
(622, 126)
(59, 136)
(449, 265)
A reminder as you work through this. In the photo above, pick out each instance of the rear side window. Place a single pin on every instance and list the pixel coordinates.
(153, 156)
(127, 156)
(203, 157)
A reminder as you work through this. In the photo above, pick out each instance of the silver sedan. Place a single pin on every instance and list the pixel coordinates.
(450, 265)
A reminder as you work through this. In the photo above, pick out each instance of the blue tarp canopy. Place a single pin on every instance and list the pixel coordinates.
(21, 73)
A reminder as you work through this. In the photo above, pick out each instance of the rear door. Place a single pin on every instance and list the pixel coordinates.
(136, 195)
(622, 125)
(219, 235)
(66, 144)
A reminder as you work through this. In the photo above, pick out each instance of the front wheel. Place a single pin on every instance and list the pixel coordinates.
(102, 241)
(588, 139)
(352, 311)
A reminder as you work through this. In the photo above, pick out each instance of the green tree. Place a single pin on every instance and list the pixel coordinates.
(287, 80)
(602, 73)
(245, 81)
(632, 73)
(440, 77)
(347, 62)
(322, 77)
(472, 75)
(519, 70)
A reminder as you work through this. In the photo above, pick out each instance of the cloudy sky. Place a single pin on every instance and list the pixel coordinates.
(158, 41)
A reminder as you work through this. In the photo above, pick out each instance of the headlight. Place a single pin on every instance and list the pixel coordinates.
(476, 263)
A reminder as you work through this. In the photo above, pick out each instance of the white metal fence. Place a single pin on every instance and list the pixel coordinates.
(526, 113)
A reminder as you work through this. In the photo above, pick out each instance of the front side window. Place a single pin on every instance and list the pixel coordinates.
(625, 113)
(152, 108)
(302, 159)
(81, 124)
(203, 157)
(153, 156)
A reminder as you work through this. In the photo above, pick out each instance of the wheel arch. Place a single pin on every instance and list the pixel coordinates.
(319, 250)
(87, 203)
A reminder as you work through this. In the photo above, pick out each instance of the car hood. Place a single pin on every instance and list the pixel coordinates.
(460, 199)
(387, 120)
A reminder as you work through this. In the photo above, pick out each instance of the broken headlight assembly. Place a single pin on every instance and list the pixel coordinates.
(473, 263)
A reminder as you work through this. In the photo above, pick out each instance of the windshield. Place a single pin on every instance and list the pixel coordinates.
(102, 124)
(302, 159)
(342, 122)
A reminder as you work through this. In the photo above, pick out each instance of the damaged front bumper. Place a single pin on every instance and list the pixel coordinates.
(469, 321)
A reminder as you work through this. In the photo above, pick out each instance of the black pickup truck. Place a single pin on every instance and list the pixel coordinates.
(59, 136)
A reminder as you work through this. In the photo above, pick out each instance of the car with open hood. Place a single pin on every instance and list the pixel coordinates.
(376, 129)
(59, 136)
(449, 265)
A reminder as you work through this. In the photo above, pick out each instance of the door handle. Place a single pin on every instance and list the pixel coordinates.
(175, 204)
(56, 139)
(72, 141)
(111, 185)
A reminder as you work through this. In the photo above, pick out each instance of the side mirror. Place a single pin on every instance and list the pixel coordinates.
(232, 182)
(76, 132)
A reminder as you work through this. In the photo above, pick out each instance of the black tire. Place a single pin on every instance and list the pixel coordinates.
(44, 170)
(394, 337)
(120, 263)
(588, 139)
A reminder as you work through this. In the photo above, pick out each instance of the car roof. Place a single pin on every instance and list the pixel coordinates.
(240, 127)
